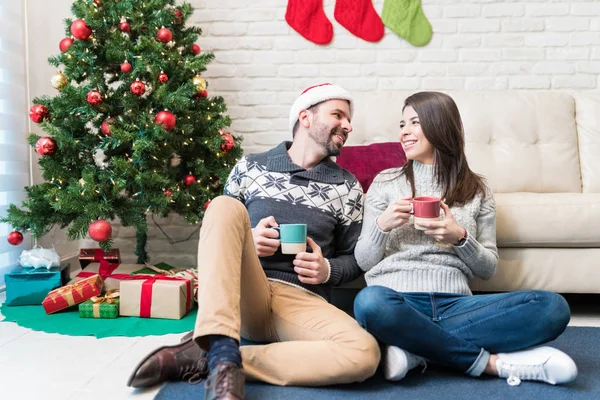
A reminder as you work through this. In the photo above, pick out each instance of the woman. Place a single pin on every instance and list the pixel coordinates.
(418, 301)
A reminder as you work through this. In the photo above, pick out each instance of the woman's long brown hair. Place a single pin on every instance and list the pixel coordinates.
(442, 126)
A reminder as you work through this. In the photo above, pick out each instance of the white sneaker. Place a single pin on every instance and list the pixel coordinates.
(544, 364)
(398, 362)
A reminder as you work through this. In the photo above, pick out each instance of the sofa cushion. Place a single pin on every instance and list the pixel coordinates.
(548, 220)
(562, 270)
(365, 162)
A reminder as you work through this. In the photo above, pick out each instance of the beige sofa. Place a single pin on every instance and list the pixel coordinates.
(541, 154)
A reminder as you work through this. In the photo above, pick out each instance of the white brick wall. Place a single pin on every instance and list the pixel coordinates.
(262, 64)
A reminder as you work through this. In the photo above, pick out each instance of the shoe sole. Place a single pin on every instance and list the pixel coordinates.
(394, 358)
(137, 367)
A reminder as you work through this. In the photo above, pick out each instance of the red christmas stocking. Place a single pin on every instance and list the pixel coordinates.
(360, 18)
(308, 19)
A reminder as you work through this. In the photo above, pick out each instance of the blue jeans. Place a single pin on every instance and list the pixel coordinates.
(461, 331)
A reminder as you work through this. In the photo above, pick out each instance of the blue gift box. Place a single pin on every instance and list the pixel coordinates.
(29, 286)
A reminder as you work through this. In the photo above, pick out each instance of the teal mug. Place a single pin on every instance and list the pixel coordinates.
(292, 238)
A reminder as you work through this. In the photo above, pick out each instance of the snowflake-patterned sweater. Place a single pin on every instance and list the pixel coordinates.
(327, 198)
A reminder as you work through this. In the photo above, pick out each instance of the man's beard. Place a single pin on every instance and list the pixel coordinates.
(324, 135)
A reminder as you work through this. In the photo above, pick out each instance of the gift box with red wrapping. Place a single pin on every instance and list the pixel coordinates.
(70, 295)
(111, 274)
(87, 256)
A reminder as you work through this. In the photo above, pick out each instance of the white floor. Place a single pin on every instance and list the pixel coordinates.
(36, 365)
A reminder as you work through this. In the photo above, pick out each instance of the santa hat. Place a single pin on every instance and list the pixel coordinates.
(315, 95)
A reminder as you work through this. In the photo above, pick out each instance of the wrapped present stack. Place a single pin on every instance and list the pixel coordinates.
(150, 291)
(88, 256)
(29, 286)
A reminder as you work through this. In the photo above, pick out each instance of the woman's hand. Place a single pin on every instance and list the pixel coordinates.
(395, 215)
(445, 231)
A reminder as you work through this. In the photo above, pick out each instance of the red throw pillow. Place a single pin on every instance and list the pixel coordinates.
(366, 161)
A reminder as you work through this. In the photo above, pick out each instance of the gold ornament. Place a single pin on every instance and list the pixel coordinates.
(59, 81)
(199, 82)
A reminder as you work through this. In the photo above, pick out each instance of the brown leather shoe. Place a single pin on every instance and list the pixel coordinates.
(225, 382)
(185, 361)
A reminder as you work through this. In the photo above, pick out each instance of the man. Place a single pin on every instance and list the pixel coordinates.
(248, 288)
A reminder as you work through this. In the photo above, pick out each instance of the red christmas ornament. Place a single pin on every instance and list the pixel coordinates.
(97, 2)
(15, 238)
(178, 16)
(168, 192)
(100, 230)
(46, 146)
(126, 67)
(38, 113)
(80, 30)
(138, 88)
(94, 97)
(207, 204)
(105, 127)
(227, 142)
(203, 93)
(65, 44)
(166, 119)
(196, 49)
(189, 179)
(164, 35)
(162, 77)
(124, 26)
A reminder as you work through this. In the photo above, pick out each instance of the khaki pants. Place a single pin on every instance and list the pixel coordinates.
(313, 342)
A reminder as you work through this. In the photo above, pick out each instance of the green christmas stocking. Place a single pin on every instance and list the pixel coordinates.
(406, 19)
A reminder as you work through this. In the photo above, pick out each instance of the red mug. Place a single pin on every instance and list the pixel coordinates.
(425, 208)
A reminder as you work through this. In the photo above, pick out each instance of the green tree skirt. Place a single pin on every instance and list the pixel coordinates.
(68, 323)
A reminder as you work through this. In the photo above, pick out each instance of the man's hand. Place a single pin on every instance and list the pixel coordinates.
(265, 237)
(395, 215)
(445, 231)
(311, 268)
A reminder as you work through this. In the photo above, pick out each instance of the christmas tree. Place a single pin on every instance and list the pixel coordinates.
(132, 130)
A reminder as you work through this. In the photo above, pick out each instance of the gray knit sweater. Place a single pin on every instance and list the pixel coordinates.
(407, 260)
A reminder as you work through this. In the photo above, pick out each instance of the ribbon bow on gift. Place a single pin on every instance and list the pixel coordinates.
(109, 297)
(170, 272)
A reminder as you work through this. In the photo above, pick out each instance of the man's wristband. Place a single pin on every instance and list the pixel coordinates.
(328, 270)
